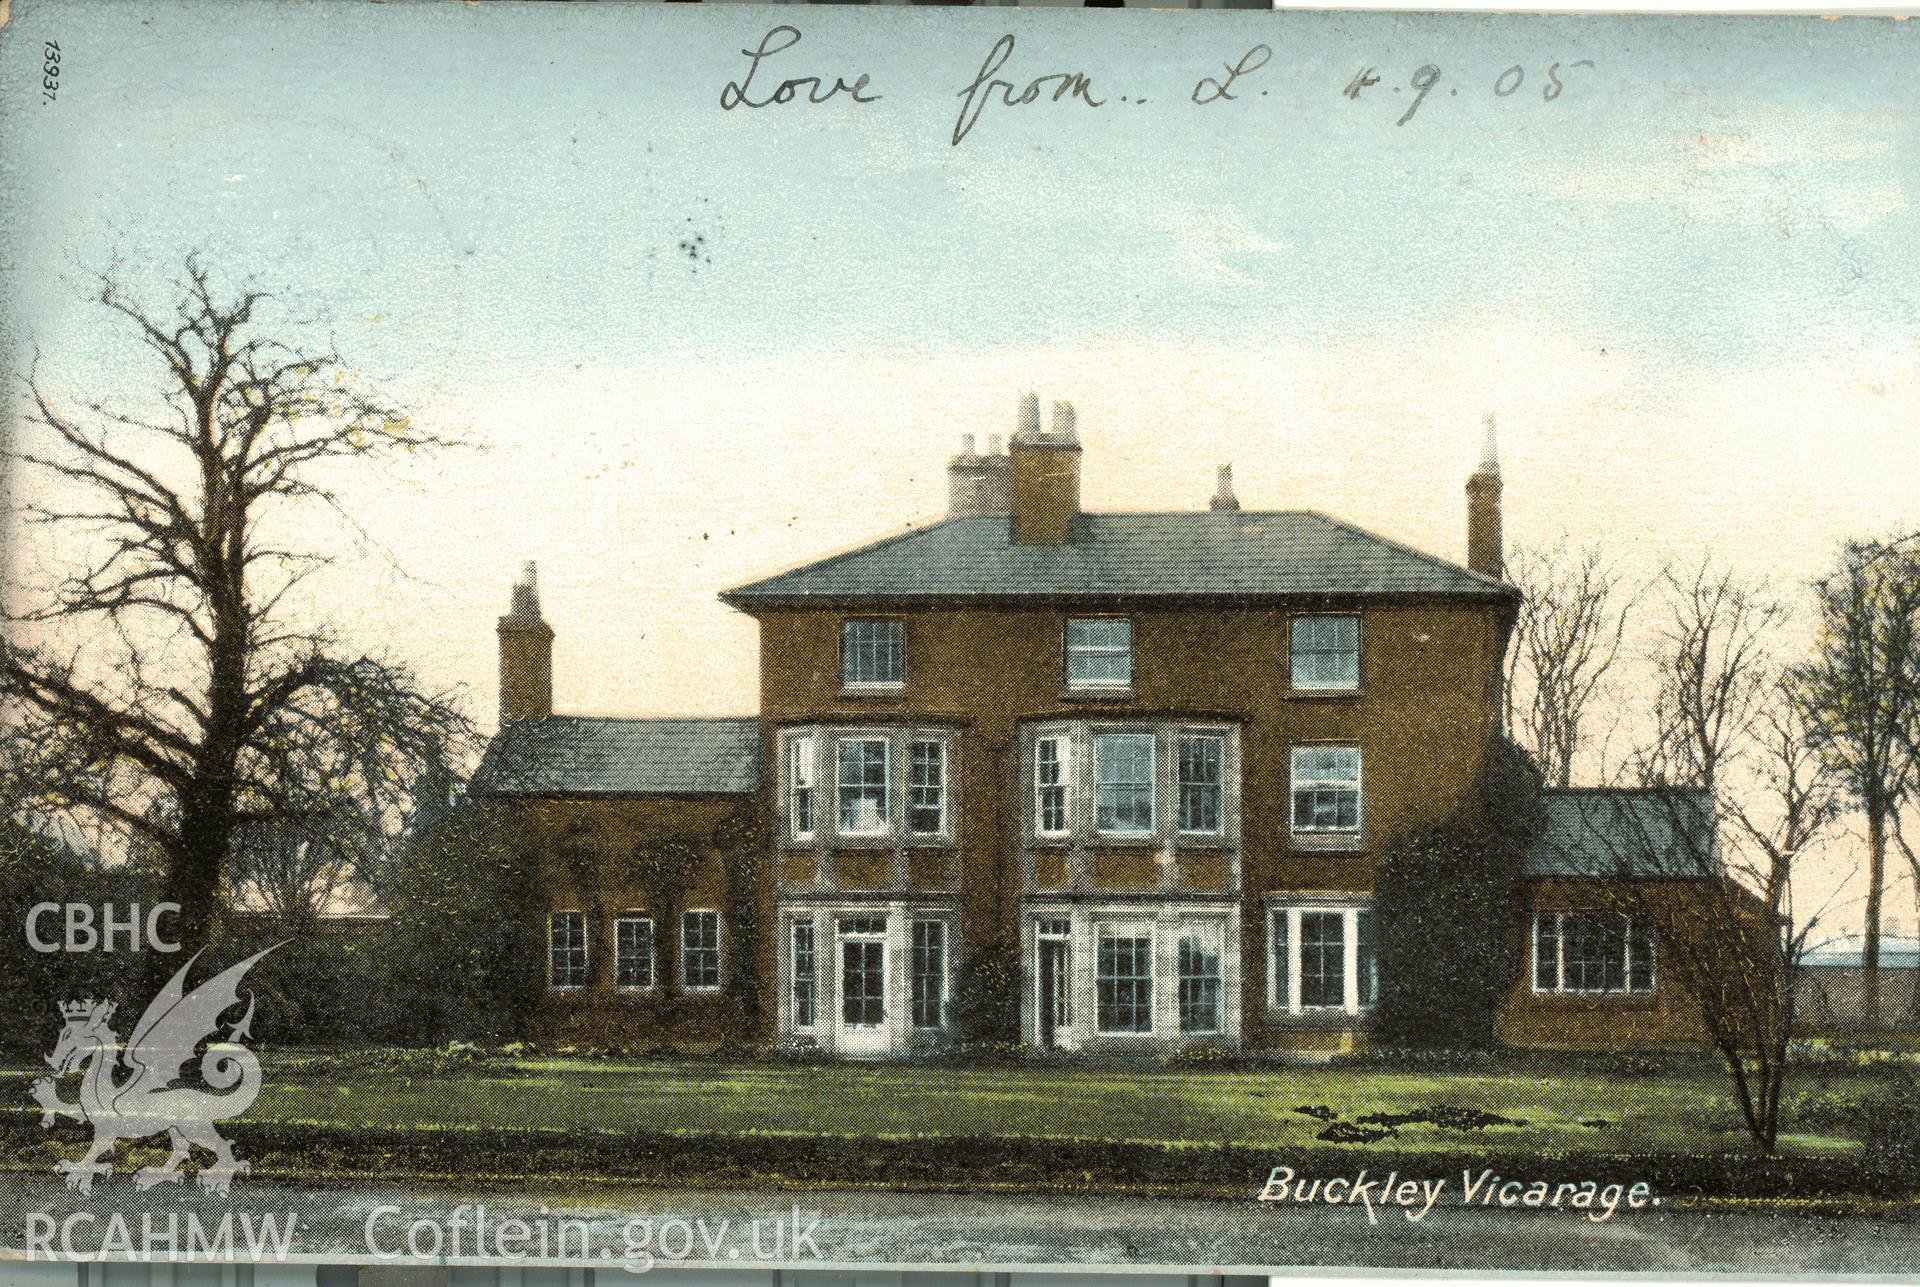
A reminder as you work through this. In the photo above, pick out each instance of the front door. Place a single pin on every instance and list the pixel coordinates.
(863, 985)
(1055, 1014)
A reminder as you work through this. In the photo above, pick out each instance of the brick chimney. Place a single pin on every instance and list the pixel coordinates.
(979, 484)
(1484, 553)
(526, 655)
(1046, 475)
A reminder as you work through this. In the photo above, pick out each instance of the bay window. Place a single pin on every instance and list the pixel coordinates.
(927, 787)
(1050, 785)
(1123, 782)
(1123, 979)
(863, 763)
(800, 785)
(1200, 785)
(1200, 980)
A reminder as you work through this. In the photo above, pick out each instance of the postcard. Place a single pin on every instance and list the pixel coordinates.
(767, 638)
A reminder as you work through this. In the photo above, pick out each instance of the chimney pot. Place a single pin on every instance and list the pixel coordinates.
(966, 444)
(993, 444)
(1223, 497)
(1063, 421)
(1028, 420)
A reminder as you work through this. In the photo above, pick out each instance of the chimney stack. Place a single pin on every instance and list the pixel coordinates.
(526, 654)
(1223, 497)
(1045, 475)
(977, 484)
(1484, 553)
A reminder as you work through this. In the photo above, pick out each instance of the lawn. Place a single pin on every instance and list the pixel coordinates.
(418, 1112)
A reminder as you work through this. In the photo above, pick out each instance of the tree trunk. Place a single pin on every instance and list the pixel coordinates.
(1870, 939)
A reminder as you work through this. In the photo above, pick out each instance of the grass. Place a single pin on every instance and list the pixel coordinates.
(943, 1123)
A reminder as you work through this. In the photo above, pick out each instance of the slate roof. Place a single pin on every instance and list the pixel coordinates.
(1211, 553)
(1601, 832)
(596, 755)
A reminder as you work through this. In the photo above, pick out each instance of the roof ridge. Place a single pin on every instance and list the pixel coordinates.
(1404, 548)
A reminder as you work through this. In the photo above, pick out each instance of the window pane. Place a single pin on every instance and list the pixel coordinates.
(872, 652)
(1199, 982)
(863, 785)
(1640, 958)
(1546, 952)
(926, 788)
(1326, 791)
(1282, 961)
(1050, 785)
(1123, 774)
(1326, 652)
(1123, 983)
(805, 976)
(1323, 960)
(1594, 951)
(929, 973)
(1200, 786)
(800, 784)
(633, 953)
(1366, 957)
(700, 949)
(567, 950)
(1099, 651)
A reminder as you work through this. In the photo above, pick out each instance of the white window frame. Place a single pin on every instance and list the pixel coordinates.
(1289, 914)
(1103, 930)
(1293, 676)
(1152, 738)
(941, 825)
(1212, 935)
(946, 971)
(718, 950)
(1180, 738)
(586, 952)
(802, 775)
(1069, 651)
(794, 926)
(1637, 931)
(851, 685)
(653, 955)
(1062, 743)
(1295, 783)
(840, 785)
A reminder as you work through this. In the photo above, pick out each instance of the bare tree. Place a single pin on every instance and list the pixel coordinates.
(1861, 693)
(1730, 794)
(1573, 615)
(195, 705)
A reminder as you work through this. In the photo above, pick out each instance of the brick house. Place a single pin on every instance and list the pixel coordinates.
(1151, 757)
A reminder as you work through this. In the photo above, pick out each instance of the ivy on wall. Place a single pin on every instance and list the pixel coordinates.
(1449, 904)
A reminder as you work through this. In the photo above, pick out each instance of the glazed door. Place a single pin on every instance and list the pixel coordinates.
(1056, 1014)
(863, 993)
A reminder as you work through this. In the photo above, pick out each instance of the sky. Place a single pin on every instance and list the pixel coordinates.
(687, 347)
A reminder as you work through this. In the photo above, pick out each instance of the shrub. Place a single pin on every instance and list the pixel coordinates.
(466, 960)
(1205, 1055)
(36, 870)
(986, 999)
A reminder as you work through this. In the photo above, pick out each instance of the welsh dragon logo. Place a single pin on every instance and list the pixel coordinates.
(146, 1101)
